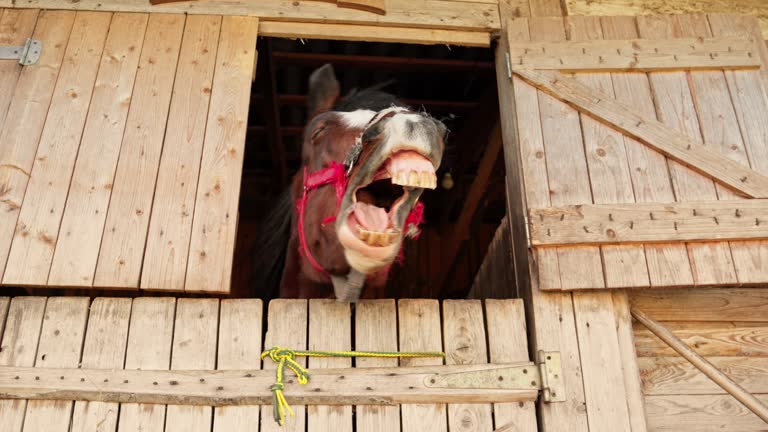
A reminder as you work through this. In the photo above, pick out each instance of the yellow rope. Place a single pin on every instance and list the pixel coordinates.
(287, 358)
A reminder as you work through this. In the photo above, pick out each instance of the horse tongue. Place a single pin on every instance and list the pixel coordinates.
(371, 217)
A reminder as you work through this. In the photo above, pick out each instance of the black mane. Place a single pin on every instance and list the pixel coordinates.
(371, 99)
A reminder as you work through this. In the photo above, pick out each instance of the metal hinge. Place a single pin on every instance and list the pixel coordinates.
(545, 375)
(509, 66)
(527, 223)
(27, 54)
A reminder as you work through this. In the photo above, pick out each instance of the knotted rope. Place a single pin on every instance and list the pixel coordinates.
(284, 357)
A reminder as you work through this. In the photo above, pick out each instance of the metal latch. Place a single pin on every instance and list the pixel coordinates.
(27, 54)
(546, 375)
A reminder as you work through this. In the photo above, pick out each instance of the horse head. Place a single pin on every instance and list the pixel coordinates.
(365, 162)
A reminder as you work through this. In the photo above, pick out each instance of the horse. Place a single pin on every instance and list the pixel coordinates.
(340, 225)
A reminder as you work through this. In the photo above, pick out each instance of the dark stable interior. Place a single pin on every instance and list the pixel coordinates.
(454, 84)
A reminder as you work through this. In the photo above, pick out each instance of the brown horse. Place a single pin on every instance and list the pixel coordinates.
(342, 223)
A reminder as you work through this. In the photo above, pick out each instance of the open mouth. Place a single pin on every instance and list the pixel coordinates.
(374, 218)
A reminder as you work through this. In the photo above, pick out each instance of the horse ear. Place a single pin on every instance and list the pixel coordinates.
(323, 90)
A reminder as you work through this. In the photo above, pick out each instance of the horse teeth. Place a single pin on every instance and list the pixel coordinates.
(364, 235)
(413, 179)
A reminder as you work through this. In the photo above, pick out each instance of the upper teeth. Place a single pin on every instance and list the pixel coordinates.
(423, 179)
(376, 238)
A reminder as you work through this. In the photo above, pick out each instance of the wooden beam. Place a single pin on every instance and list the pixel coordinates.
(703, 304)
(636, 54)
(364, 386)
(671, 143)
(649, 222)
(441, 14)
(367, 33)
(472, 201)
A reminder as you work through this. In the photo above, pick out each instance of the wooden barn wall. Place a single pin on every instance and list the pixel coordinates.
(729, 327)
(121, 149)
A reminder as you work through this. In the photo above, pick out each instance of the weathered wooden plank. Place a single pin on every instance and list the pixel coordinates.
(711, 263)
(170, 226)
(673, 144)
(376, 330)
(465, 344)
(105, 342)
(22, 331)
(15, 27)
(737, 339)
(676, 376)
(286, 327)
(367, 33)
(507, 342)
(37, 229)
(567, 170)
(24, 122)
(375, 6)
(239, 348)
(4, 303)
(553, 325)
(644, 55)
(329, 330)
(533, 157)
(400, 13)
(194, 347)
(705, 304)
(149, 347)
(751, 107)
(214, 226)
(82, 226)
(601, 362)
(702, 413)
(61, 342)
(125, 230)
(629, 7)
(184, 388)
(668, 265)
(609, 177)
(632, 384)
(419, 329)
(649, 222)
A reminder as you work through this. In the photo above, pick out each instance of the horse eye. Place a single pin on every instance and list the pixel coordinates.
(317, 132)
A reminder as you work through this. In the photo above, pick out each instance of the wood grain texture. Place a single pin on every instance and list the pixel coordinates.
(580, 267)
(125, 230)
(15, 27)
(25, 120)
(553, 325)
(366, 33)
(609, 177)
(616, 224)
(330, 329)
(239, 348)
(18, 348)
(601, 362)
(82, 226)
(643, 55)
(675, 376)
(376, 330)
(703, 304)
(441, 14)
(750, 104)
(668, 264)
(420, 330)
(712, 263)
(61, 342)
(286, 327)
(37, 229)
(194, 347)
(507, 342)
(631, 370)
(705, 413)
(170, 226)
(465, 343)
(214, 226)
(150, 337)
(105, 343)
(718, 338)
